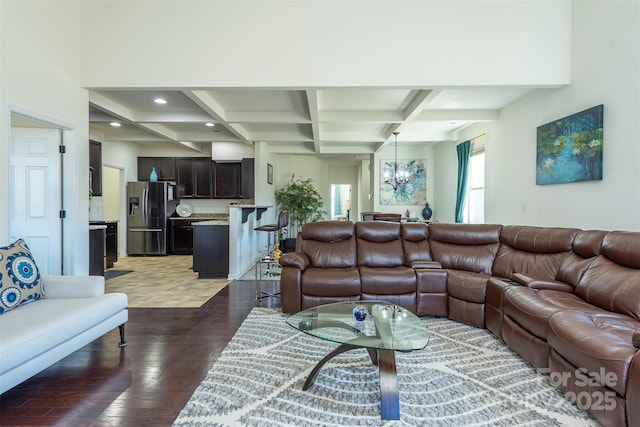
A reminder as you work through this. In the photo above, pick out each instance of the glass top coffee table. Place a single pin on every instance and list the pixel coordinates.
(386, 328)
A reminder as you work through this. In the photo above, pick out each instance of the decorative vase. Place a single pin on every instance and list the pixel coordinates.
(360, 312)
(276, 253)
(427, 212)
(153, 177)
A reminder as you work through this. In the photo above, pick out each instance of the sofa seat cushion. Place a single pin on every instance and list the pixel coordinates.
(593, 342)
(388, 281)
(329, 282)
(35, 328)
(467, 286)
(532, 309)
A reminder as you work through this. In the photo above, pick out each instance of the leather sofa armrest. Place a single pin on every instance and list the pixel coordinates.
(520, 279)
(540, 284)
(636, 339)
(298, 260)
(425, 264)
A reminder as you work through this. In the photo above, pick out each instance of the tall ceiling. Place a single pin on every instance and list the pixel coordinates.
(327, 122)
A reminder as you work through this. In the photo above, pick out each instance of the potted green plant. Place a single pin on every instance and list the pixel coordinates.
(304, 203)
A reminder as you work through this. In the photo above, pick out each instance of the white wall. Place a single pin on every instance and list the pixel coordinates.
(39, 75)
(301, 166)
(318, 43)
(606, 52)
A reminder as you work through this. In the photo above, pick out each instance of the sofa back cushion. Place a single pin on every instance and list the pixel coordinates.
(328, 244)
(468, 247)
(536, 252)
(586, 246)
(378, 244)
(612, 280)
(415, 242)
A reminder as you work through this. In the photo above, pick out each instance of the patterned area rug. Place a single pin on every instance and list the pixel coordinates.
(464, 377)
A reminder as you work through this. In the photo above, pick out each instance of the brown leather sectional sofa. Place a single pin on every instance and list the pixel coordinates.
(566, 300)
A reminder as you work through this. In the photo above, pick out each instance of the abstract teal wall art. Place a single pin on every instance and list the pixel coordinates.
(411, 193)
(570, 149)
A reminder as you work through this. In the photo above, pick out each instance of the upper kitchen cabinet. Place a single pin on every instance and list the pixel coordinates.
(234, 180)
(165, 168)
(227, 180)
(194, 177)
(95, 167)
(248, 177)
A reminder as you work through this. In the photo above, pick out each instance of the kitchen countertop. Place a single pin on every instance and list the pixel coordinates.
(212, 222)
(202, 216)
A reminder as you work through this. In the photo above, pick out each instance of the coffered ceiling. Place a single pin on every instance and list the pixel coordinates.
(323, 121)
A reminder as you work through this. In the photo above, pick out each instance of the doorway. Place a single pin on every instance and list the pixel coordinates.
(341, 202)
(35, 190)
(112, 199)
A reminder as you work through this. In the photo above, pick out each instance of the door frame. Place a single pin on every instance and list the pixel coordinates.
(69, 201)
(122, 225)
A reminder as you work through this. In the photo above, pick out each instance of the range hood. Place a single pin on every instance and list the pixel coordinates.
(231, 151)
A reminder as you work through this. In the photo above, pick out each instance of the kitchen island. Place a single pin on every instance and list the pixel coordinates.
(211, 248)
(229, 248)
(244, 241)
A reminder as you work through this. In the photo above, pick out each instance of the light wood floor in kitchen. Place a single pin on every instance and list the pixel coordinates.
(163, 281)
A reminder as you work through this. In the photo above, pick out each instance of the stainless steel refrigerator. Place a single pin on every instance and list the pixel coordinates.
(149, 205)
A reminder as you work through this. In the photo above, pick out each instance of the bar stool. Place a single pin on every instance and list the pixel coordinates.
(273, 229)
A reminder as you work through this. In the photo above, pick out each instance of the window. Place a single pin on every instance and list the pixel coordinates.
(474, 206)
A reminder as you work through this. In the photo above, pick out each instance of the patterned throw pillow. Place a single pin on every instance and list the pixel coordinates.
(20, 280)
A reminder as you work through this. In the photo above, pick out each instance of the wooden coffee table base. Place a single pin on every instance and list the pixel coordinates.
(386, 362)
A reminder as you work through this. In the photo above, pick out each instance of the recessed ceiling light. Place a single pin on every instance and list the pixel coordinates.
(115, 124)
(160, 101)
(209, 124)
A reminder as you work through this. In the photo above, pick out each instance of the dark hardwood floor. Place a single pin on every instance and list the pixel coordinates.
(146, 383)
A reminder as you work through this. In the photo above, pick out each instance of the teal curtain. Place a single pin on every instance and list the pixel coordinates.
(464, 152)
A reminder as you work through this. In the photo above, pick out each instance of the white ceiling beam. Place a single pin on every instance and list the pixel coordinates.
(205, 101)
(454, 115)
(191, 145)
(314, 113)
(117, 110)
(373, 116)
(415, 107)
(113, 108)
(266, 117)
(174, 117)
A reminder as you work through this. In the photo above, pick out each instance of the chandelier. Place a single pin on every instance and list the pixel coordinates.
(398, 176)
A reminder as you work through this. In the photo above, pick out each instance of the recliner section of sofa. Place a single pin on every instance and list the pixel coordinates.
(467, 254)
(566, 300)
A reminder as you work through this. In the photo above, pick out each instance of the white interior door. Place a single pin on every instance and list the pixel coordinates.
(34, 194)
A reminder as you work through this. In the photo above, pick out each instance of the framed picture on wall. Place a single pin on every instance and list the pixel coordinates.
(413, 192)
(269, 174)
(570, 149)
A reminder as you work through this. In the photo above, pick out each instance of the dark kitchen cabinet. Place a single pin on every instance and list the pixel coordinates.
(227, 180)
(181, 236)
(95, 167)
(211, 251)
(165, 168)
(234, 180)
(111, 243)
(194, 177)
(247, 179)
(96, 252)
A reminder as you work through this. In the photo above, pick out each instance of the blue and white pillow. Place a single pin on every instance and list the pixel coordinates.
(20, 280)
